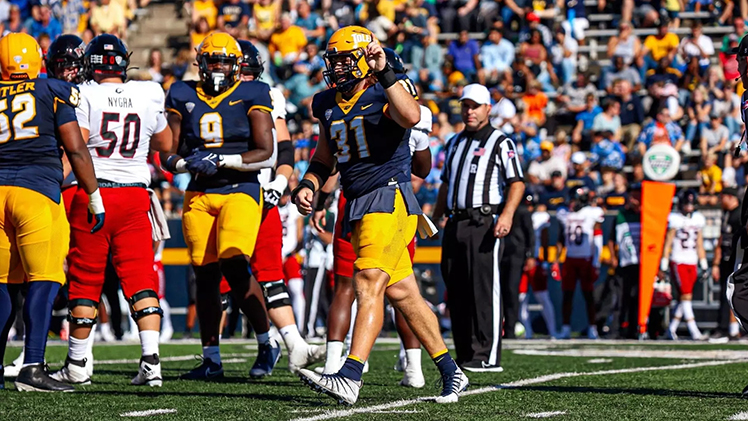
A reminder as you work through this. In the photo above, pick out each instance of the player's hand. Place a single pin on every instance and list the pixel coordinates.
(715, 273)
(503, 226)
(303, 200)
(317, 219)
(375, 57)
(96, 210)
(203, 162)
(273, 191)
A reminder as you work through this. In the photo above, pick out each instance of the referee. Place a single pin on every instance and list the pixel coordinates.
(481, 189)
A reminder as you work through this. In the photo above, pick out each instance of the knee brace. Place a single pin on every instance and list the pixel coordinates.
(224, 302)
(82, 321)
(276, 294)
(140, 295)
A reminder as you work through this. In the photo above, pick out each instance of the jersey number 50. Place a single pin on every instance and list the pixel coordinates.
(126, 149)
(339, 133)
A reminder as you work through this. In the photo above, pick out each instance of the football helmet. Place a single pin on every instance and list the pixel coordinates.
(219, 58)
(687, 200)
(252, 63)
(580, 197)
(65, 59)
(394, 60)
(345, 57)
(20, 57)
(106, 55)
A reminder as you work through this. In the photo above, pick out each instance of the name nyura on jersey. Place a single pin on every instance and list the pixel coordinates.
(219, 124)
(687, 228)
(121, 118)
(370, 147)
(30, 113)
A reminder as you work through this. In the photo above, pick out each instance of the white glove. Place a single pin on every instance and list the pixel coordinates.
(664, 263)
(273, 191)
(96, 210)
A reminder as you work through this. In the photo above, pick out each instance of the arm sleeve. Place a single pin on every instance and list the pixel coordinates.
(509, 159)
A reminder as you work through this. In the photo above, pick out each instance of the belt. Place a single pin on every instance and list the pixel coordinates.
(484, 210)
(106, 184)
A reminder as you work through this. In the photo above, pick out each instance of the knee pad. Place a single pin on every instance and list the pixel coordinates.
(276, 294)
(82, 321)
(224, 302)
(140, 295)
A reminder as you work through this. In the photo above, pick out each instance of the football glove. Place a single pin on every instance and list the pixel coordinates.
(202, 162)
(273, 191)
(96, 210)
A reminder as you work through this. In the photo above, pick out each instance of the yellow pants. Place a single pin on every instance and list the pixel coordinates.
(220, 226)
(35, 236)
(381, 240)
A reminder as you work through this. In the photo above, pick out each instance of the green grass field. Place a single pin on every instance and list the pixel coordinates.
(542, 379)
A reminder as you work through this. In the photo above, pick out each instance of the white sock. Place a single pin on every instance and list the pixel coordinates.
(105, 327)
(734, 329)
(677, 315)
(77, 348)
(212, 353)
(413, 357)
(693, 329)
(19, 359)
(298, 302)
(687, 310)
(549, 314)
(334, 354)
(149, 342)
(524, 314)
(263, 338)
(291, 336)
(690, 320)
(349, 336)
(166, 320)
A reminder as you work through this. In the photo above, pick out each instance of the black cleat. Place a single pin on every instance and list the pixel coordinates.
(207, 370)
(35, 378)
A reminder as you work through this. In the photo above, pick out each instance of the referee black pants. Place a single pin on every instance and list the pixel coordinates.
(511, 276)
(470, 268)
(723, 317)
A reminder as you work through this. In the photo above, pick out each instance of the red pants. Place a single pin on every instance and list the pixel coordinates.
(577, 269)
(685, 276)
(126, 234)
(537, 278)
(160, 279)
(67, 197)
(292, 269)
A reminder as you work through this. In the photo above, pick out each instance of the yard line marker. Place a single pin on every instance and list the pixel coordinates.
(545, 414)
(177, 358)
(342, 413)
(678, 354)
(739, 416)
(148, 413)
(600, 361)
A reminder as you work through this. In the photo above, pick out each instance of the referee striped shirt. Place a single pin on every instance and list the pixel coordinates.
(478, 167)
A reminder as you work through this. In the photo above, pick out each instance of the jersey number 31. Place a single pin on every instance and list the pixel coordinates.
(339, 132)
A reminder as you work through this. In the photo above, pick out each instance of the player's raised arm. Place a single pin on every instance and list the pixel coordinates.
(403, 107)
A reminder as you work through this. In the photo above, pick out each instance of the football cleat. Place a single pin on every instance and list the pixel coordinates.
(413, 378)
(207, 370)
(14, 368)
(89, 364)
(266, 360)
(342, 389)
(565, 332)
(670, 334)
(34, 378)
(73, 372)
(304, 356)
(452, 385)
(477, 366)
(592, 333)
(402, 364)
(149, 372)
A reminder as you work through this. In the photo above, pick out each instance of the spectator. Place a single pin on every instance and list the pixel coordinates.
(204, 9)
(579, 176)
(576, 19)
(497, 56)
(573, 99)
(457, 14)
(561, 147)
(621, 70)
(287, 42)
(540, 171)
(728, 59)
(664, 44)
(199, 32)
(311, 23)
(697, 45)
(664, 73)
(556, 196)
(607, 153)
(534, 52)
(698, 113)
(584, 120)
(4, 10)
(739, 30)
(503, 112)
(155, 61)
(301, 88)
(74, 16)
(564, 56)
(714, 136)
(232, 17)
(451, 104)
(46, 24)
(533, 24)
(626, 45)
(266, 15)
(464, 53)
(535, 103)
(609, 120)
(615, 200)
(632, 112)
(310, 60)
(711, 181)
(14, 22)
(662, 130)
(108, 18)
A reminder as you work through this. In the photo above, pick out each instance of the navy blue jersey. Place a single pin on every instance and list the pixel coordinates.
(370, 147)
(219, 124)
(30, 113)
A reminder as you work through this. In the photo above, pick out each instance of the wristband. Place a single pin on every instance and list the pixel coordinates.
(664, 264)
(387, 77)
(231, 161)
(321, 200)
(175, 164)
(305, 183)
(95, 202)
(703, 264)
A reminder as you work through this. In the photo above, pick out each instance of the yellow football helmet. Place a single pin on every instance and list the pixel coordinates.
(345, 57)
(219, 58)
(20, 57)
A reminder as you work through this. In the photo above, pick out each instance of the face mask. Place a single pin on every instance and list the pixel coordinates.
(217, 78)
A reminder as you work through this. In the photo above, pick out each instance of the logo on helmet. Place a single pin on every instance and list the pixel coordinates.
(361, 38)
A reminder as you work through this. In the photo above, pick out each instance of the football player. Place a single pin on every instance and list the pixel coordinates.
(122, 122)
(683, 251)
(339, 318)
(34, 243)
(223, 131)
(365, 120)
(583, 237)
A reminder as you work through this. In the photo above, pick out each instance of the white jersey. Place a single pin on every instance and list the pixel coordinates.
(279, 111)
(687, 230)
(121, 118)
(289, 217)
(540, 221)
(579, 229)
(419, 135)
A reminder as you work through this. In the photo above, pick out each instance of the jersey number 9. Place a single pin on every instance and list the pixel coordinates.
(211, 130)
(24, 106)
(339, 133)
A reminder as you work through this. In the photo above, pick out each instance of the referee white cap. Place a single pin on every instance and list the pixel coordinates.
(478, 93)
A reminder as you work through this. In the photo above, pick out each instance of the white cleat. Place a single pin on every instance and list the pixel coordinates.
(671, 335)
(413, 378)
(165, 335)
(149, 372)
(304, 356)
(342, 389)
(73, 372)
(402, 364)
(14, 368)
(452, 386)
(89, 364)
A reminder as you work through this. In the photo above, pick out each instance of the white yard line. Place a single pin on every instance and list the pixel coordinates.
(228, 359)
(677, 354)
(545, 414)
(328, 415)
(739, 416)
(148, 413)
